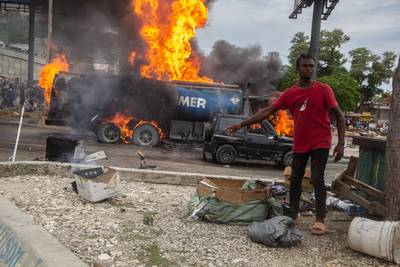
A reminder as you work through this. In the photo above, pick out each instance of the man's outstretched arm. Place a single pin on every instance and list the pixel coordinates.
(259, 116)
(338, 152)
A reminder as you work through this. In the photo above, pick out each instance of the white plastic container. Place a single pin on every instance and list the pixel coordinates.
(101, 187)
(379, 239)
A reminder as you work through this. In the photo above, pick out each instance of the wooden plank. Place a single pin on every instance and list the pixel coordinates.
(344, 190)
(379, 195)
(351, 166)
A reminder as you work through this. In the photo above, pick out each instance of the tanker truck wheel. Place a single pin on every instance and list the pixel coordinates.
(226, 154)
(146, 135)
(108, 133)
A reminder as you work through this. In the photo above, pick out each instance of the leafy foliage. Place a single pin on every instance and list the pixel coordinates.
(345, 88)
(371, 71)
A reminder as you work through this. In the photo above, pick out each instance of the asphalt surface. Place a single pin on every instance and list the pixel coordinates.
(32, 146)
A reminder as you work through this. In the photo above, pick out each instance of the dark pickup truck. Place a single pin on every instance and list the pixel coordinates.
(259, 142)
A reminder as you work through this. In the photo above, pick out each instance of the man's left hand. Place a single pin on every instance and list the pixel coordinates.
(338, 152)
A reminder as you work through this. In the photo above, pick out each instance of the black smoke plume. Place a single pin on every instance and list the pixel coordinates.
(246, 67)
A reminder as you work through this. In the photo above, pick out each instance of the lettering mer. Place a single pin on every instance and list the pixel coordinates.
(193, 102)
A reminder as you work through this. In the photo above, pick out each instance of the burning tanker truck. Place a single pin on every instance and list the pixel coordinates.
(143, 111)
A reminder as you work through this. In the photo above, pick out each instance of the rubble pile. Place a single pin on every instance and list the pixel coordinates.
(148, 226)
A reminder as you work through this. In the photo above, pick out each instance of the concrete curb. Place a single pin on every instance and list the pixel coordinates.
(128, 174)
(25, 244)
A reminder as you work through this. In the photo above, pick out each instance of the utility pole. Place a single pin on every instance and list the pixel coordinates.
(316, 32)
(31, 50)
(322, 10)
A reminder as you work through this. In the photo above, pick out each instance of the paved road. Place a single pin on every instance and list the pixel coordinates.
(33, 140)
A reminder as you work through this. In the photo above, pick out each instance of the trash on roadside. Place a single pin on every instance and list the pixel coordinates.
(143, 162)
(347, 206)
(274, 208)
(95, 157)
(277, 231)
(369, 198)
(225, 201)
(96, 184)
(375, 238)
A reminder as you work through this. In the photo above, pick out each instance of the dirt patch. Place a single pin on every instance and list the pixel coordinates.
(148, 226)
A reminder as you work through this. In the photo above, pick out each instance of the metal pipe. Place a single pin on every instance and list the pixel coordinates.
(49, 29)
(31, 51)
(316, 31)
(19, 132)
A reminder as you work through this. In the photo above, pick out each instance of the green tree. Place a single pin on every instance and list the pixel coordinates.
(330, 58)
(289, 77)
(300, 45)
(345, 88)
(371, 71)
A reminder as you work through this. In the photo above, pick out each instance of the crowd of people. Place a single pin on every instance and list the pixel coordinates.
(357, 125)
(14, 93)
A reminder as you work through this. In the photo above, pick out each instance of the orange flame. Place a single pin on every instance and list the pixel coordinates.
(155, 125)
(121, 121)
(167, 29)
(49, 71)
(255, 126)
(283, 123)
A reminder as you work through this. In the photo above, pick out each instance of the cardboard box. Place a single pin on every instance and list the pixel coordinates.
(100, 187)
(230, 191)
(306, 182)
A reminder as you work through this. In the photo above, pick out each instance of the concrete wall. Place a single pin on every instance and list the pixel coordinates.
(14, 64)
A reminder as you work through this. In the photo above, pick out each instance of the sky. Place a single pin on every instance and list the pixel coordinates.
(369, 23)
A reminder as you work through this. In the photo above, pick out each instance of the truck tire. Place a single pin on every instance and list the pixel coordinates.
(108, 133)
(146, 135)
(226, 154)
(287, 159)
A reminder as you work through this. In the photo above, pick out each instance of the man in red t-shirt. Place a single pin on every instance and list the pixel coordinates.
(310, 103)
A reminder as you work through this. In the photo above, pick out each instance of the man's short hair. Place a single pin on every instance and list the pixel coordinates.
(303, 56)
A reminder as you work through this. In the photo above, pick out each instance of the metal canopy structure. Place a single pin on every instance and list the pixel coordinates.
(22, 5)
(327, 7)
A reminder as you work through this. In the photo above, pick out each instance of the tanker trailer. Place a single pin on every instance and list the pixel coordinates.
(156, 110)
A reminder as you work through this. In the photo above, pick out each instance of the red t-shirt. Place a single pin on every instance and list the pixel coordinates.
(310, 111)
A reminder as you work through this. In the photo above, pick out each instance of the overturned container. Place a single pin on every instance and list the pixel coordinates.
(379, 239)
(96, 184)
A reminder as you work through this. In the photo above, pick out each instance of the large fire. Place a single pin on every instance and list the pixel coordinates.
(167, 28)
(283, 123)
(49, 71)
(122, 121)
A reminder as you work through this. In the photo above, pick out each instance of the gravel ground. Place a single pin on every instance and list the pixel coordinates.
(116, 227)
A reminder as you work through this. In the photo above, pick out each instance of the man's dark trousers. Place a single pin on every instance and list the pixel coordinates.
(319, 157)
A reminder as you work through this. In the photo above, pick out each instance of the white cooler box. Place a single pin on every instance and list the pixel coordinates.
(101, 187)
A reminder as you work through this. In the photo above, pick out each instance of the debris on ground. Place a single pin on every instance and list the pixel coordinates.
(97, 184)
(277, 231)
(115, 227)
(143, 162)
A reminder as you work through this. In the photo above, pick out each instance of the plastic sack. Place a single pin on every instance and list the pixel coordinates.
(277, 231)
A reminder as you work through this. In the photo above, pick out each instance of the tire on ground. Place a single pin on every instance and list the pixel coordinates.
(108, 133)
(146, 135)
(226, 154)
(287, 159)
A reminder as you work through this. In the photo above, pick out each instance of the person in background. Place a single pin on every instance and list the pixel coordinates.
(310, 103)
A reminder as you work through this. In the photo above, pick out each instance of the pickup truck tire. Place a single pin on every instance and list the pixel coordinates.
(146, 135)
(108, 133)
(287, 159)
(226, 154)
